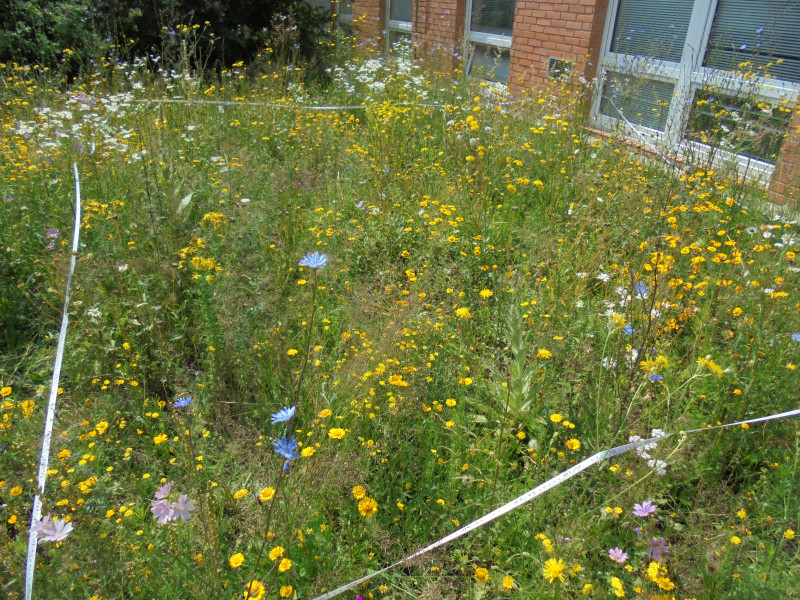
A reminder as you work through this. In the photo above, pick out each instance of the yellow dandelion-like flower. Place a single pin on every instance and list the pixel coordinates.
(544, 354)
(574, 444)
(291, 352)
(359, 492)
(788, 534)
(482, 575)
(254, 590)
(736, 540)
(367, 507)
(239, 494)
(486, 294)
(308, 452)
(284, 565)
(619, 589)
(556, 417)
(236, 560)
(554, 569)
(337, 433)
(325, 413)
(267, 494)
(508, 582)
(6, 391)
(160, 439)
(286, 591)
(276, 553)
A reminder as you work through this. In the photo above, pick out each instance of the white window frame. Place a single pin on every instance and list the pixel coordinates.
(393, 25)
(503, 42)
(688, 76)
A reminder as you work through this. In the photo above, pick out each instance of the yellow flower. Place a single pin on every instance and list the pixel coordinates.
(241, 494)
(236, 560)
(160, 439)
(324, 413)
(367, 507)
(359, 492)
(267, 494)
(736, 540)
(788, 534)
(254, 590)
(398, 381)
(544, 354)
(554, 569)
(337, 433)
(6, 391)
(286, 591)
(508, 582)
(276, 553)
(308, 452)
(463, 313)
(741, 513)
(574, 444)
(450, 402)
(587, 589)
(486, 294)
(619, 589)
(482, 575)
(291, 351)
(284, 565)
(556, 417)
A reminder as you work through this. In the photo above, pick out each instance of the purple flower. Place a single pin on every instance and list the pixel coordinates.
(162, 511)
(658, 547)
(645, 509)
(183, 508)
(618, 555)
(52, 233)
(163, 491)
(52, 531)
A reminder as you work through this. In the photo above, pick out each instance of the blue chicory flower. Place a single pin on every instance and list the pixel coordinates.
(284, 414)
(182, 402)
(796, 337)
(628, 330)
(286, 448)
(314, 260)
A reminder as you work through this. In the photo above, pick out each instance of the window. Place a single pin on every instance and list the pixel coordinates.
(695, 74)
(488, 34)
(398, 23)
(345, 10)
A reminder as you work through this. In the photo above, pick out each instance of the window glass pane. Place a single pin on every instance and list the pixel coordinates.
(493, 16)
(490, 63)
(742, 125)
(652, 28)
(758, 32)
(345, 7)
(399, 42)
(400, 10)
(643, 102)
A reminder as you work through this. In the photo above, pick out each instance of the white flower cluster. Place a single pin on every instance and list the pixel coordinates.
(644, 451)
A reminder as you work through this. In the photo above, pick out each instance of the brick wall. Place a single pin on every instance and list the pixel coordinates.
(439, 28)
(785, 186)
(562, 29)
(369, 18)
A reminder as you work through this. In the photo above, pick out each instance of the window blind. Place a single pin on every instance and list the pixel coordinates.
(643, 102)
(652, 28)
(400, 10)
(758, 32)
(493, 16)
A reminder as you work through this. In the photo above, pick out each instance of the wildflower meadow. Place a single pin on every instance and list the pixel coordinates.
(317, 324)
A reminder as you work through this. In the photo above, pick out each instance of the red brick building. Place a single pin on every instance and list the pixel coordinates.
(667, 71)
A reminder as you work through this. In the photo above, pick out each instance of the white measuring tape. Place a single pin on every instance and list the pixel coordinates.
(44, 456)
(541, 489)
